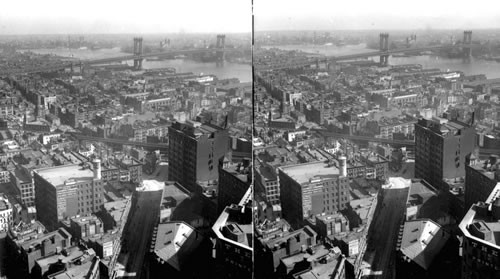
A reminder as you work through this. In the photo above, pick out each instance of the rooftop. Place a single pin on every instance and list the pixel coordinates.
(66, 174)
(173, 240)
(85, 219)
(323, 263)
(487, 167)
(442, 127)
(234, 224)
(419, 193)
(422, 240)
(4, 204)
(331, 217)
(482, 221)
(311, 172)
(195, 129)
(281, 239)
(76, 271)
(36, 241)
(70, 255)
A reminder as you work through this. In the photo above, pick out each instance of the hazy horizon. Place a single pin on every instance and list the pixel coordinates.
(53, 17)
(287, 15)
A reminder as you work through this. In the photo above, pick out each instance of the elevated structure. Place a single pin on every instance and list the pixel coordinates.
(410, 40)
(467, 51)
(138, 53)
(384, 47)
(138, 56)
(220, 46)
(384, 52)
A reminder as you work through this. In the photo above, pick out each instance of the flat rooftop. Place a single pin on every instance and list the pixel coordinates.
(73, 253)
(76, 271)
(58, 176)
(482, 221)
(37, 241)
(305, 173)
(283, 238)
(486, 169)
(267, 173)
(236, 219)
(331, 217)
(326, 262)
(85, 219)
(419, 193)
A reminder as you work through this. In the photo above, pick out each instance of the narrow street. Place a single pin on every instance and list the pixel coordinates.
(142, 220)
(380, 254)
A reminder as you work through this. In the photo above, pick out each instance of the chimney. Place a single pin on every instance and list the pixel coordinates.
(97, 169)
(343, 166)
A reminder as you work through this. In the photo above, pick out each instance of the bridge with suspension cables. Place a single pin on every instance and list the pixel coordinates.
(384, 52)
(138, 56)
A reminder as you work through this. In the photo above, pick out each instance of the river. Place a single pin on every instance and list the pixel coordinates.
(230, 70)
(476, 66)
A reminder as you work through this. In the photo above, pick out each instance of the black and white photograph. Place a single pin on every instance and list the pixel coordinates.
(249, 139)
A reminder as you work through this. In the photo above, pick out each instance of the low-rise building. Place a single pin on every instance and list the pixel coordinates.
(22, 179)
(331, 224)
(76, 261)
(25, 249)
(271, 249)
(319, 262)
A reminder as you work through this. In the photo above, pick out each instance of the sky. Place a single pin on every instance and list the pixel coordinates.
(124, 16)
(230, 16)
(375, 14)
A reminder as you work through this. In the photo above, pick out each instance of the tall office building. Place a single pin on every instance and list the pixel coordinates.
(480, 179)
(441, 147)
(234, 180)
(313, 188)
(481, 247)
(233, 240)
(194, 153)
(266, 180)
(66, 191)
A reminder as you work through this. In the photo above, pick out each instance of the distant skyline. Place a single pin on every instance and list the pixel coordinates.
(375, 15)
(21, 17)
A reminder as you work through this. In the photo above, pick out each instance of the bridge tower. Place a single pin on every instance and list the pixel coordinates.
(410, 40)
(221, 44)
(138, 53)
(467, 50)
(384, 46)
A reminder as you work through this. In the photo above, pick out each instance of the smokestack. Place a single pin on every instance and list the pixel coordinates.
(97, 169)
(343, 166)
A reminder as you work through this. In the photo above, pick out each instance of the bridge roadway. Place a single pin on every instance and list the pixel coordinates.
(65, 65)
(329, 59)
(120, 141)
(324, 133)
